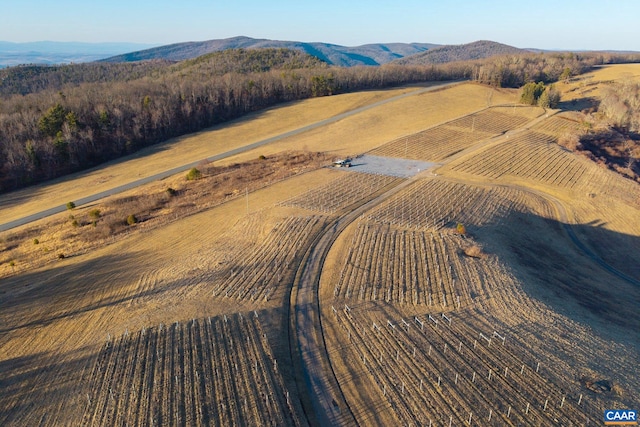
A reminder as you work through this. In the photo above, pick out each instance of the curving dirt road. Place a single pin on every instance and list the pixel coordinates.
(324, 395)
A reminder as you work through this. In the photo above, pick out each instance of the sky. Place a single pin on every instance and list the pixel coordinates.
(544, 24)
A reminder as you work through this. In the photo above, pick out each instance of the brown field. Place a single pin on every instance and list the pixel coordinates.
(189, 317)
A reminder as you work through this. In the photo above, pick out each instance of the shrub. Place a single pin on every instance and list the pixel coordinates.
(131, 219)
(171, 191)
(194, 174)
(262, 157)
(461, 229)
(12, 264)
(36, 241)
(75, 223)
(550, 98)
(531, 93)
(61, 255)
(71, 205)
(94, 213)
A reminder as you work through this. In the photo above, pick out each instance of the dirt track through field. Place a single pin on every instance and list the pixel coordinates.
(329, 406)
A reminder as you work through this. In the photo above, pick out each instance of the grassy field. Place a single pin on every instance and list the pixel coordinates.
(376, 126)
(184, 318)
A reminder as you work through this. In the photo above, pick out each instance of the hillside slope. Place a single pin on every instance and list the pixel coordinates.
(464, 52)
(370, 54)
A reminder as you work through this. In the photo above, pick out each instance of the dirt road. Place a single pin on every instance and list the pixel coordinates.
(323, 391)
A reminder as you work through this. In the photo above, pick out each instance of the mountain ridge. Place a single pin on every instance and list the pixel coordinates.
(333, 54)
(463, 52)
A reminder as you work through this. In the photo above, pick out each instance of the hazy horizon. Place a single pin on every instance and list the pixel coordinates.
(549, 25)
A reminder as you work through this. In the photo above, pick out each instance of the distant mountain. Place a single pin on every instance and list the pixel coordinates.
(61, 52)
(369, 54)
(463, 52)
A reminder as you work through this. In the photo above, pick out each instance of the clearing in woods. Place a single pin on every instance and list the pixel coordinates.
(215, 317)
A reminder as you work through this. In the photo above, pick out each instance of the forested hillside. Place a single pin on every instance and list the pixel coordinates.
(464, 52)
(73, 117)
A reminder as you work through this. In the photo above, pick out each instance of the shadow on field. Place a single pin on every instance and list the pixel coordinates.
(43, 389)
(571, 272)
(44, 296)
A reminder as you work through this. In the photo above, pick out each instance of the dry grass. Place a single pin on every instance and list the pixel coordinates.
(519, 276)
(376, 126)
(588, 86)
(83, 229)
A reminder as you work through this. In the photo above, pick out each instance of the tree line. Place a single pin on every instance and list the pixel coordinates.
(64, 124)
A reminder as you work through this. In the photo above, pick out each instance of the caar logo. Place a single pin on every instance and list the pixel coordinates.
(620, 417)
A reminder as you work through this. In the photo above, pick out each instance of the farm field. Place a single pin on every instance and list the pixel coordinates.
(498, 287)
(379, 125)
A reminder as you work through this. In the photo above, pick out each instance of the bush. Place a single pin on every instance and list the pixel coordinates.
(75, 223)
(171, 192)
(131, 219)
(71, 205)
(194, 174)
(94, 213)
(61, 255)
(531, 92)
(262, 157)
(550, 98)
(36, 241)
(461, 229)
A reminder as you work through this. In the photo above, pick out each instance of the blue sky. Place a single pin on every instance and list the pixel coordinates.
(557, 24)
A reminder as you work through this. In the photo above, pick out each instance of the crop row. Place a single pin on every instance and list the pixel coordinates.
(491, 121)
(556, 126)
(530, 155)
(442, 141)
(433, 144)
(217, 371)
(432, 204)
(413, 267)
(429, 370)
(339, 193)
(258, 271)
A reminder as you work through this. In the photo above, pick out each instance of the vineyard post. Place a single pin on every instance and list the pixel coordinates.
(505, 371)
(450, 420)
(470, 418)
(438, 381)
(580, 400)
(489, 373)
(545, 405)
(402, 387)
(537, 367)
(562, 403)
(522, 369)
(473, 378)
(527, 410)
(456, 380)
(460, 347)
(384, 390)
(509, 412)
(490, 412)
(420, 384)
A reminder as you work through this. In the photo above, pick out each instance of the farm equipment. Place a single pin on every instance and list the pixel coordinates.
(342, 163)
